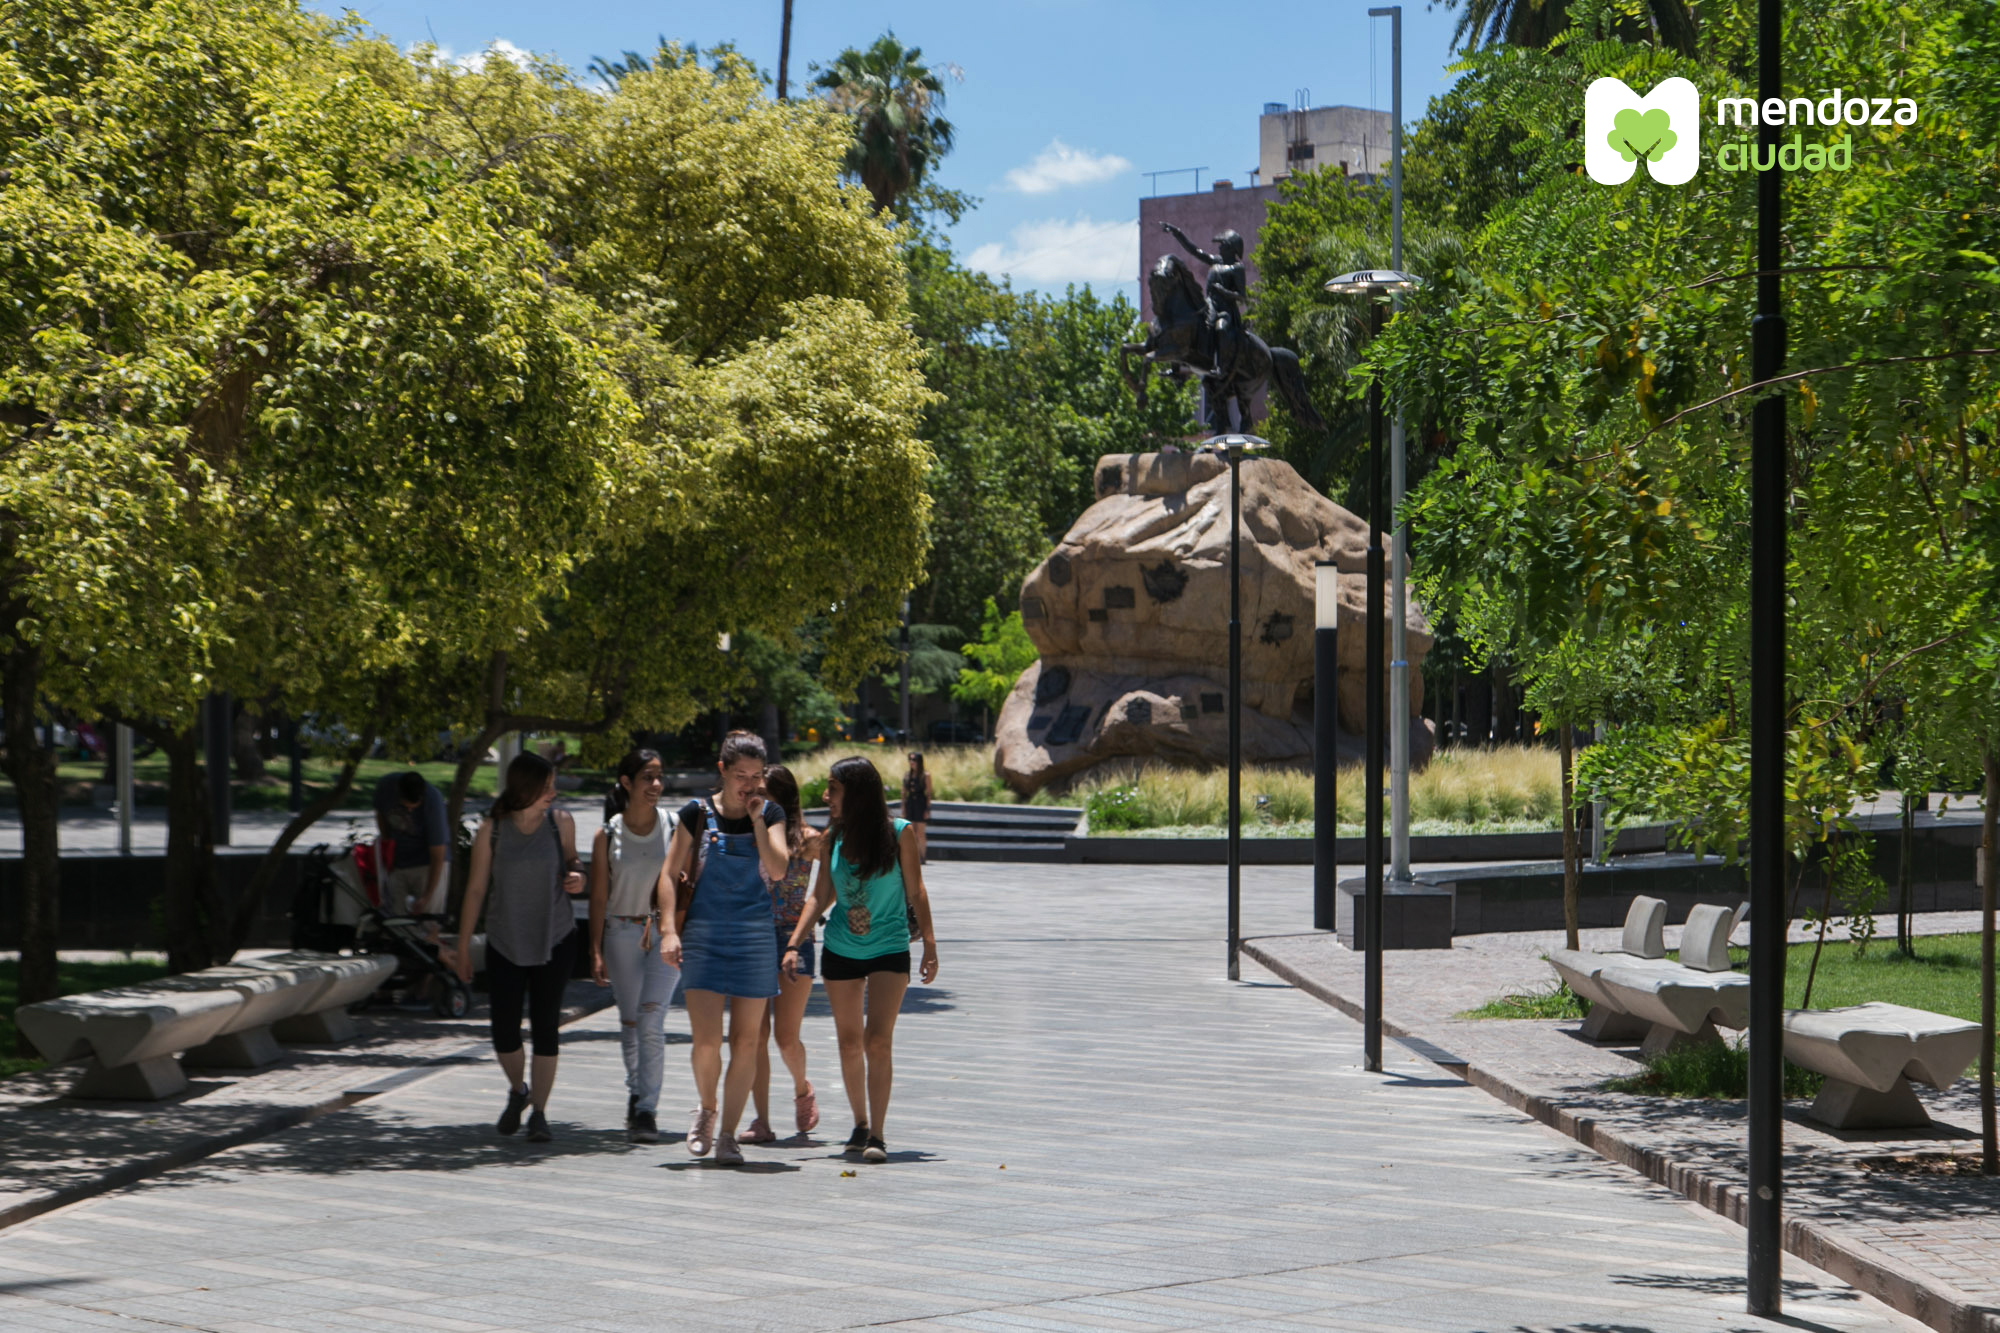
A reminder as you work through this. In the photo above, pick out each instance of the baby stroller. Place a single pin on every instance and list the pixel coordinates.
(339, 907)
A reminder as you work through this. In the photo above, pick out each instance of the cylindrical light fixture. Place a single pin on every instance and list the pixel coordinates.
(1326, 741)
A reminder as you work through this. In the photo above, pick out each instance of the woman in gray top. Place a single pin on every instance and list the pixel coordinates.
(524, 860)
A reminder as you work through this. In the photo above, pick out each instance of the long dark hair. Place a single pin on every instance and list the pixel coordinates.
(527, 778)
(631, 766)
(782, 787)
(866, 837)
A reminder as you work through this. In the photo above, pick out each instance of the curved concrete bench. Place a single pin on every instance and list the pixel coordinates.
(128, 1034)
(270, 996)
(1870, 1053)
(346, 979)
(1684, 1002)
(1645, 922)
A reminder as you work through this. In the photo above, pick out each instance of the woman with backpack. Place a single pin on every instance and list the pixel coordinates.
(725, 846)
(631, 911)
(871, 875)
(524, 871)
(784, 1015)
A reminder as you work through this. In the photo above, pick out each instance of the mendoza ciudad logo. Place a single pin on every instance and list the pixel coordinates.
(1621, 129)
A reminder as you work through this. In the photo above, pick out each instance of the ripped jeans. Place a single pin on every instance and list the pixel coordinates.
(642, 985)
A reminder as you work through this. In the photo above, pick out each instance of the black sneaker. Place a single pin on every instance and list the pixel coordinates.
(538, 1128)
(856, 1141)
(876, 1151)
(510, 1119)
(642, 1128)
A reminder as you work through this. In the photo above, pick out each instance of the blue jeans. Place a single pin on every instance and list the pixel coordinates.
(642, 985)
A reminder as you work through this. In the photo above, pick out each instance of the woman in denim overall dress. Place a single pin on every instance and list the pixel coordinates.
(728, 951)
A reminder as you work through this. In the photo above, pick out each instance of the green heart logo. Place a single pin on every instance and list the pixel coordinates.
(1642, 136)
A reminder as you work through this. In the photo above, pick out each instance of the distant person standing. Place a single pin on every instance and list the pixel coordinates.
(633, 945)
(410, 821)
(524, 860)
(727, 845)
(785, 1015)
(870, 877)
(917, 804)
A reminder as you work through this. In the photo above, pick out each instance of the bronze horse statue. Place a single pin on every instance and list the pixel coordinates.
(1180, 342)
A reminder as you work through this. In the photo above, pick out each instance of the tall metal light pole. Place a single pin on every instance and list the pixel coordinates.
(903, 713)
(1233, 447)
(1377, 285)
(1326, 737)
(1768, 707)
(1399, 550)
(122, 739)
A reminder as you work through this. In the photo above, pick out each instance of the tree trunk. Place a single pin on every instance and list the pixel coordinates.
(243, 919)
(246, 757)
(32, 769)
(1989, 889)
(187, 899)
(768, 728)
(475, 750)
(1572, 873)
(1906, 927)
(784, 49)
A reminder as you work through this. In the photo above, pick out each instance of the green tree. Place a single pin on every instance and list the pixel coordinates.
(894, 100)
(1002, 653)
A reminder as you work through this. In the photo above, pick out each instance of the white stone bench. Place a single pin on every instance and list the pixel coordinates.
(1870, 1053)
(1645, 922)
(270, 996)
(1683, 1003)
(323, 1020)
(128, 1035)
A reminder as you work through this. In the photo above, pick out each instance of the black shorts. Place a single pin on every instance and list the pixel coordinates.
(839, 967)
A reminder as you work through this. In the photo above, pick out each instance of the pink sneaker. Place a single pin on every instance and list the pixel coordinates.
(759, 1132)
(701, 1133)
(805, 1110)
(726, 1151)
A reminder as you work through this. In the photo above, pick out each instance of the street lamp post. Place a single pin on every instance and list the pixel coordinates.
(1378, 285)
(1233, 447)
(1765, 1212)
(1399, 544)
(1326, 734)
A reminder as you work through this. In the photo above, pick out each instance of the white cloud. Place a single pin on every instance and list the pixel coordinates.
(475, 61)
(1059, 166)
(1055, 252)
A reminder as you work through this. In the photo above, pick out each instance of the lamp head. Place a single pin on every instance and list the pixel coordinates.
(1377, 283)
(1326, 595)
(1235, 445)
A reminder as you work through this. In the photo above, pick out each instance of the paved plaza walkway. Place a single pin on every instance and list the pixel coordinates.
(1092, 1130)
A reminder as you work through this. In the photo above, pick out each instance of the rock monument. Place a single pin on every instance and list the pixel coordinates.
(1131, 615)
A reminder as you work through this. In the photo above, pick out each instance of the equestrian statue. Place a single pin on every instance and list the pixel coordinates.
(1198, 329)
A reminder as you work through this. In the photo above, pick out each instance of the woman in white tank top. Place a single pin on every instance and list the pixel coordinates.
(630, 941)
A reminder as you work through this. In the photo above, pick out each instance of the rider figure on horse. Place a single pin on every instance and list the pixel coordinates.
(1227, 288)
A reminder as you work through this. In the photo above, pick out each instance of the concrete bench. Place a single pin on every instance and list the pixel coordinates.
(1645, 922)
(323, 1020)
(270, 996)
(1683, 1003)
(1870, 1053)
(128, 1035)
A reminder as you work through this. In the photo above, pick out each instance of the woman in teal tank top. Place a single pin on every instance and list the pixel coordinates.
(871, 877)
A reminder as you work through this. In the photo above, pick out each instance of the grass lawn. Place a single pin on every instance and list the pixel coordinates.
(72, 977)
(1943, 977)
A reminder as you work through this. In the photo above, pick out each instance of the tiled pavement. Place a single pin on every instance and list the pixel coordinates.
(1928, 1240)
(1092, 1130)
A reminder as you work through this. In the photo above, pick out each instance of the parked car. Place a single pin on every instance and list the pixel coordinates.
(950, 731)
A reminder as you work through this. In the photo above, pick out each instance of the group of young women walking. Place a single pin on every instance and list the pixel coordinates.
(723, 896)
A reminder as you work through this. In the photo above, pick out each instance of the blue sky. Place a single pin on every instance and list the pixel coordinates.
(1063, 105)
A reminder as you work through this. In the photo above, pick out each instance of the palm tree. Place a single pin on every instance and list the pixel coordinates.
(892, 97)
(1670, 23)
(784, 49)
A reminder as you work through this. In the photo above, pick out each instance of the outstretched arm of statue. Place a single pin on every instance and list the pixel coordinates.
(1189, 246)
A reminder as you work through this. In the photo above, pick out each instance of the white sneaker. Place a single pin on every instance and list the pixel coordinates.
(726, 1151)
(701, 1134)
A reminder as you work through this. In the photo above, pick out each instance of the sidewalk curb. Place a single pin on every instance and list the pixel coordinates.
(131, 1173)
(1863, 1267)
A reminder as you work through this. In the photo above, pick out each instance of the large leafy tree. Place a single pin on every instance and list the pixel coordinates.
(273, 384)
